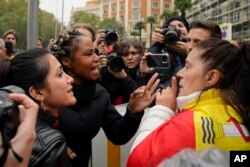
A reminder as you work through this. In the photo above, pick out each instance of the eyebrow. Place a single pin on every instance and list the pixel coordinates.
(59, 68)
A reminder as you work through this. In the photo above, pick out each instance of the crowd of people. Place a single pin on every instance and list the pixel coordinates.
(197, 98)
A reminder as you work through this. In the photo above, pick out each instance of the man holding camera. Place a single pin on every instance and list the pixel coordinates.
(169, 43)
(114, 74)
(159, 38)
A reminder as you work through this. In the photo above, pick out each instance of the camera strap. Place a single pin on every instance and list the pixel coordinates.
(6, 145)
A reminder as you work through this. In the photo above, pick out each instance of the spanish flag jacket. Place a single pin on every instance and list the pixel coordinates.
(205, 121)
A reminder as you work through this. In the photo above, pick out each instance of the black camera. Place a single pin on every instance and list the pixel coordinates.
(171, 35)
(111, 36)
(115, 62)
(9, 47)
(9, 112)
(159, 61)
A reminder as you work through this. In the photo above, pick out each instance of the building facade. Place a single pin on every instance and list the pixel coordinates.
(129, 12)
(235, 14)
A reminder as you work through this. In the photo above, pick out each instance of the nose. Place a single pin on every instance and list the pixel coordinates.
(130, 56)
(179, 74)
(190, 46)
(96, 57)
(70, 80)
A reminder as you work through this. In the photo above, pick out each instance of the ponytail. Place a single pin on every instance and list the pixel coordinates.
(241, 84)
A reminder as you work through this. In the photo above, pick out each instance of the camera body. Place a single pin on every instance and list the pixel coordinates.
(111, 36)
(9, 112)
(9, 47)
(159, 61)
(115, 62)
(171, 35)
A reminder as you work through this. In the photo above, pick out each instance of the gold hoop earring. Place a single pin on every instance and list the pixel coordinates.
(43, 106)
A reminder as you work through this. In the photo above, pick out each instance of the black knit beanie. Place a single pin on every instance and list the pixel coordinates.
(179, 18)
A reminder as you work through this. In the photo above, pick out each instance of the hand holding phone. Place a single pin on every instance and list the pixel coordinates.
(159, 61)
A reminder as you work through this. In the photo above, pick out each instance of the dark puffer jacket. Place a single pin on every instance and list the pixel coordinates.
(81, 123)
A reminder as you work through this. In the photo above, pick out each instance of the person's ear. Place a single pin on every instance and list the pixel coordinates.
(66, 62)
(212, 78)
(36, 94)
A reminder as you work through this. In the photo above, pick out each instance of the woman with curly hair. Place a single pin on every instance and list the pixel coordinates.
(81, 122)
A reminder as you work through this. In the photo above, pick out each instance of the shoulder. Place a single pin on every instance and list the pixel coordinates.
(50, 144)
(100, 90)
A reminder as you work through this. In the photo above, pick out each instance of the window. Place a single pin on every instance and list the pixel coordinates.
(136, 16)
(113, 10)
(235, 17)
(156, 16)
(136, 4)
(155, 5)
(122, 18)
(121, 7)
(166, 6)
(105, 11)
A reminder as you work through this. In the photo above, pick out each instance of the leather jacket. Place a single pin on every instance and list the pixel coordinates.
(50, 148)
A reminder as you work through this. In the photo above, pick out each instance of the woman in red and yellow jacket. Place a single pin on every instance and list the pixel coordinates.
(211, 109)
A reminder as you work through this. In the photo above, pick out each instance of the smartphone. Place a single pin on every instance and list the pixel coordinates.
(159, 61)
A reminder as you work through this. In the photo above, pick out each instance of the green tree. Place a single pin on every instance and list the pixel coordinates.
(139, 26)
(48, 31)
(13, 15)
(165, 15)
(135, 33)
(83, 17)
(151, 20)
(182, 6)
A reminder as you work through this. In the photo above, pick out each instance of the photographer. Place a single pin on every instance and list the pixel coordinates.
(171, 40)
(113, 73)
(160, 42)
(126, 59)
(21, 144)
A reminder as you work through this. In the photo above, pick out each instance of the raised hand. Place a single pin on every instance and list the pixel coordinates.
(144, 69)
(157, 36)
(143, 96)
(167, 97)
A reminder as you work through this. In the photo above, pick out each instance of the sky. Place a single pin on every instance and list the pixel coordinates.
(55, 7)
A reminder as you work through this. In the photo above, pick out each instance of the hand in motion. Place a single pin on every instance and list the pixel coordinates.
(144, 69)
(22, 142)
(181, 48)
(70, 153)
(144, 95)
(120, 74)
(167, 97)
(157, 36)
(103, 61)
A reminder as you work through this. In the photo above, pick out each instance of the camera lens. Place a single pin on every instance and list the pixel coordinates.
(111, 37)
(171, 35)
(116, 64)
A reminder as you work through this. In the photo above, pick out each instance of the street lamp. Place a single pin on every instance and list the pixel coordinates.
(62, 14)
(56, 19)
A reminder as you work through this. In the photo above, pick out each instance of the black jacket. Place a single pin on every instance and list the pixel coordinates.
(122, 87)
(93, 110)
(49, 149)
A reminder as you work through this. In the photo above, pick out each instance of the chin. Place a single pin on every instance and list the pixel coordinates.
(181, 93)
